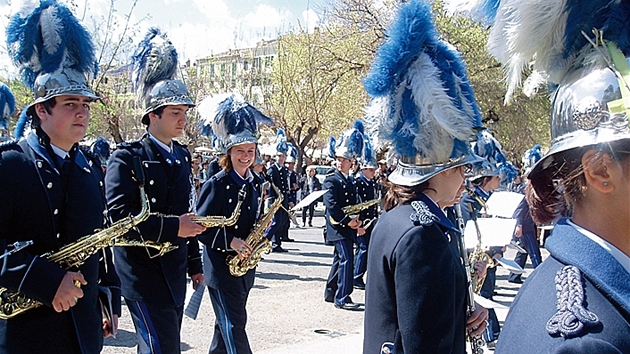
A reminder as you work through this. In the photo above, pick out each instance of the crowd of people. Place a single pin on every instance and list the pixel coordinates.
(396, 230)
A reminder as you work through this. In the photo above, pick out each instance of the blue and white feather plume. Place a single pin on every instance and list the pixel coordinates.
(154, 60)
(549, 37)
(281, 142)
(44, 37)
(422, 103)
(231, 119)
(7, 105)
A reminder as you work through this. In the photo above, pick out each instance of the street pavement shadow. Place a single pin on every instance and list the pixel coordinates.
(298, 263)
(280, 276)
(124, 338)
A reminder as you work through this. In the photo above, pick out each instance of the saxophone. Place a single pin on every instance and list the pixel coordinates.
(12, 303)
(222, 221)
(256, 239)
(477, 343)
(356, 209)
(478, 255)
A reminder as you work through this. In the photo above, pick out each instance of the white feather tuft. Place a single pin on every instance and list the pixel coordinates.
(51, 28)
(535, 80)
(528, 30)
(440, 120)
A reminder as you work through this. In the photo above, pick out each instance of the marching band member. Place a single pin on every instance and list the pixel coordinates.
(278, 174)
(52, 191)
(341, 229)
(235, 123)
(423, 106)
(367, 190)
(578, 299)
(154, 287)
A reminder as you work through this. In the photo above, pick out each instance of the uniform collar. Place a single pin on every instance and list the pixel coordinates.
(167, 148)
(38, 144)
(571, 247)
(240, 180)
(442, 220)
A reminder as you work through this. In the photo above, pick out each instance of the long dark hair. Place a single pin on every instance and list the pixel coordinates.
(554, 191)
(397, 194)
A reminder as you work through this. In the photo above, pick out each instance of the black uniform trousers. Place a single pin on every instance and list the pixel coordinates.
(360, 257)
(157, 326)
(279, 228)
(231, 318)
(533, 251)
(339, 283)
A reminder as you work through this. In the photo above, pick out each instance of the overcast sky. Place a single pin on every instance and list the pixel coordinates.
(197, 28)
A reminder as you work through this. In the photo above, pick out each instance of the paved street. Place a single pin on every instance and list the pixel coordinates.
(287, 313)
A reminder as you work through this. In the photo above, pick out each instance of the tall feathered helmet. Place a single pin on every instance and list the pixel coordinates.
(531, 157)
(54, 52)
(7, 105)
(368, 157)
(154, 74)
(100, 147)
(582, 50)
(488, 148)
(231, 119)
(292, 153)
(282, 146)
(422, 103)
(350, 143)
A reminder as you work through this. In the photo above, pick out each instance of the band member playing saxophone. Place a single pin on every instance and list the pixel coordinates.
(154, 284)
(52, 192)
(234, 122)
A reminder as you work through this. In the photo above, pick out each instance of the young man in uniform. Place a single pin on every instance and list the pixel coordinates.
(154, 285)
(52, 195)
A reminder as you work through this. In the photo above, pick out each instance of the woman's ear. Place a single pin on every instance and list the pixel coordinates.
(597, 171)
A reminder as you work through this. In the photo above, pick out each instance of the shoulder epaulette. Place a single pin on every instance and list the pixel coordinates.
(9, 144)
(571, 316)
(127, 144)
(96, 161)
(219, 175)
(422, 215)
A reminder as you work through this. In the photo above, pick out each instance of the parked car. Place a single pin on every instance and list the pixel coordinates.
(321, 171)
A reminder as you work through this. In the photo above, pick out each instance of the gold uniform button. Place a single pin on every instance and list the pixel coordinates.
(49, 185)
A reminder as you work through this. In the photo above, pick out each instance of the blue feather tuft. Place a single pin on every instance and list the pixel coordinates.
(412, 29)
(154, 60)
(7, 105)
(332, 143)
(20, 125)
(358, 125)
(486, 10)
(48, 38)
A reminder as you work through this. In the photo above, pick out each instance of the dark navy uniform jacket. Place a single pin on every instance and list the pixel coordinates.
(416, 285)
(341, 193)
(168, 185)
(606, 291)
(219, 197)
(366, 188)
(279, 176)
(292, 192)
(35, 207)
